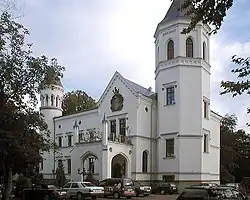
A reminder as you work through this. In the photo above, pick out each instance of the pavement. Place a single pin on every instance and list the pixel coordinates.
(150, 197)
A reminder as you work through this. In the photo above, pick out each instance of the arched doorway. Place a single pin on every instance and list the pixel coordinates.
(89, 166)
(119, 166)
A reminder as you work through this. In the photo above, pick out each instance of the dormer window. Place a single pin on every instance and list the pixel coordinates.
(189, 48)
(170, 50)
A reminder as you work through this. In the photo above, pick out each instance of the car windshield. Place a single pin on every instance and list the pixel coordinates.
(128, 182)
(87, 184)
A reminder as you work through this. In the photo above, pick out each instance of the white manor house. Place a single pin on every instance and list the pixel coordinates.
(170, 134)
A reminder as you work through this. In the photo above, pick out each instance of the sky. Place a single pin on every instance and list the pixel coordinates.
(93, 39)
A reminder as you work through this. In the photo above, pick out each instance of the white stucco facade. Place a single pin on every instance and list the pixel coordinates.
(169, 134)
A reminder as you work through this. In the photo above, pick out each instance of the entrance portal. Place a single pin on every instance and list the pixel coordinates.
(118, 164)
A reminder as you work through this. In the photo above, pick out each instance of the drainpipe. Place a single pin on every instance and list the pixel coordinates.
(54, 150)
(151, 142)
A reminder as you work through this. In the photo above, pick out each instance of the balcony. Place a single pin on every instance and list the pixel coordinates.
(119, 138)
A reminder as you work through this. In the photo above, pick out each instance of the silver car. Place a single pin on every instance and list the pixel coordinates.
(83, 189)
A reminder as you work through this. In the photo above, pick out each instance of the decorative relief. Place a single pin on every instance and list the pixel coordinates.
(90, 135)
(116, 101)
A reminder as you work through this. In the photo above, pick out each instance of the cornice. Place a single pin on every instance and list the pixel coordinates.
(182, 61)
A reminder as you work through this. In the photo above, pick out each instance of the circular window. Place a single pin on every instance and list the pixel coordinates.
(146, 109)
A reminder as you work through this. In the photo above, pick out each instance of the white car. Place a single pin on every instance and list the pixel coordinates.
(83, 189)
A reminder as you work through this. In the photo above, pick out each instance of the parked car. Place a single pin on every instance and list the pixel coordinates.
(211, 193)
(118, 187)
(43, 192)
(142, 189)
(83, 189)
(237, 186)
(165, 188)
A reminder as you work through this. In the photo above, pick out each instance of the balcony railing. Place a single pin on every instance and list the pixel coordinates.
(119, 138)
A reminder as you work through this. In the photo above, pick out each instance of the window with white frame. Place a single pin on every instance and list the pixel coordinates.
(206, 108)
(205, 142)
(170, 148)
(60, 141)
(170, 95)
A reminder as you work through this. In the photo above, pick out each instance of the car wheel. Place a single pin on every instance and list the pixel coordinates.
(79, 196)
(46, 197)
(162, 192)
(116, 195)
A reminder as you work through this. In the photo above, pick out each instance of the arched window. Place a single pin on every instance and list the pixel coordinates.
(42, 100)
(170, 50)
(189, 48)
(57, 101)
(52, 100)
(47, 100)
(204, 50)
(145, 162)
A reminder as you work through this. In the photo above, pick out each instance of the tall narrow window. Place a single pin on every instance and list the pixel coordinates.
(91, 165)
(205, 109)
(57, 101)
(47, 100)
(59, 163)
(113, 126)
(52, 100)
(41, 165)
(42, 100)
(205, 143)
(189, 48)
(122, 124)
(170, 95)
(204, 51)
(144, 162)
(69, 166)
(170, 50)
(69, 140)
(170, 148)
(60, 141)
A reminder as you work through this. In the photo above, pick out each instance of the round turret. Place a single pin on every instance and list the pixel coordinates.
(51, 95)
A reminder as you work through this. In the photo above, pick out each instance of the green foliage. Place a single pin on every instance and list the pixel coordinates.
(23, 132)
(77, 101)
(211, 12)
(60, 177)
(235, 151)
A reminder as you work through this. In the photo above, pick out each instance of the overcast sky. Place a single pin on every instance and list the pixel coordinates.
(94, 38)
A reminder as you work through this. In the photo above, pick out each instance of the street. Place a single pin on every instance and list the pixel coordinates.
(150, 197)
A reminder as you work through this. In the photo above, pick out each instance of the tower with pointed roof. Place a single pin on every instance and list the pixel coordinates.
(51, 94)
(182, 77)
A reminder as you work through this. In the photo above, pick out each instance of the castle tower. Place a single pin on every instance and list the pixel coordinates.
(182, 81)
(51, 95)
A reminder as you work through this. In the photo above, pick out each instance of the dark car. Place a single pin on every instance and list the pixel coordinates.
(42, 192)
(118, 187)
(165, 188)
(142, 189)
(210, 193)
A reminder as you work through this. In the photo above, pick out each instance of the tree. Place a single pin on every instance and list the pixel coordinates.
(227, 153)
(23, 132)
(211, 12)
(235, 151)
(76, 101)
(60, 177)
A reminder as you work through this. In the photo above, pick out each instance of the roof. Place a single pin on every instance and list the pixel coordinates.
(138, 88)
(174, 12)
(52, 79)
